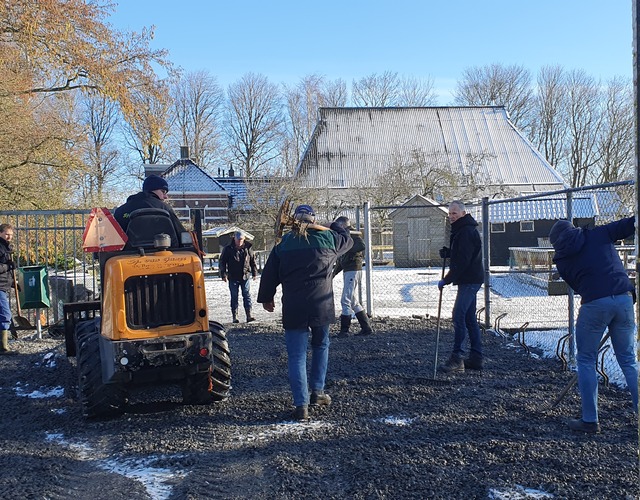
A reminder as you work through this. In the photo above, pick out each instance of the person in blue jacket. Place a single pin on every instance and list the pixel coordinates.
(589, 263)
(466, 271)
(303, 263)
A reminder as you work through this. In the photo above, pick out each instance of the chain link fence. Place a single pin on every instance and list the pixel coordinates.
(523, 299)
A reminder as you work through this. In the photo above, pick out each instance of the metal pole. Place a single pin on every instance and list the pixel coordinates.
(368, 260)
(570, 295)
(636, 91)
(486, 259)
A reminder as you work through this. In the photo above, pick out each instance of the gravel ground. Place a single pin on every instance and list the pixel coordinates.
(391, 432)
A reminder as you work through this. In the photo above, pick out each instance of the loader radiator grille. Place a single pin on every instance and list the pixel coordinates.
(159, 299)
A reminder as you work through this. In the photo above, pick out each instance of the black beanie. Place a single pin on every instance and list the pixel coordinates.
(558, 228)
(153, 182)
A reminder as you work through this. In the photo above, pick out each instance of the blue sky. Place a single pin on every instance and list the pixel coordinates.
(286, 40)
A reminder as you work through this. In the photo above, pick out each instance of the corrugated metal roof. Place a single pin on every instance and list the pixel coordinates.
(216, 232)
(544, 209)
(354, 146)
(184, 176)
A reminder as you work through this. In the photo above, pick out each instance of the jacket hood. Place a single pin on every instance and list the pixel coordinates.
(566, 239)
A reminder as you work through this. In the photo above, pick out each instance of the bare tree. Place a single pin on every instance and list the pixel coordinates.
(302, 103)
(147, 128)
(415, 92)
(549, 133)
(616, 139)
(254, 124)
(498, 85)
(197, 104)
(584, 113)
(376, 91)
(100, 117)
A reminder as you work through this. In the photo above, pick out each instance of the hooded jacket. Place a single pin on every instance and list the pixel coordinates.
(239, 264)
(588, 260)
(353, 259)
(466, 253)
(303, 265)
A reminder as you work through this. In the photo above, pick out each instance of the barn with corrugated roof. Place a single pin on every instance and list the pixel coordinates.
(352, 148)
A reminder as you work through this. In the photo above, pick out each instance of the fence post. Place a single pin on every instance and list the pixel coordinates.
(570, 294)
(368, 260)
(485, 257)
(359, 228)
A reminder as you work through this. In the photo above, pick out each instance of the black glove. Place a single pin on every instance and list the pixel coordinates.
(10, 265)
(445, 252)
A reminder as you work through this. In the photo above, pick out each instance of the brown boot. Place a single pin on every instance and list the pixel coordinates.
(250, 318)
(4, 343)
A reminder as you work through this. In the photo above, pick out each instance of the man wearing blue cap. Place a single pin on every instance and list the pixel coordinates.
(303, 263)
(589, 262)
(154, 192)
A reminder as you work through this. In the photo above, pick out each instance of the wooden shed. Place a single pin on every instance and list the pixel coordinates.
(420, 229)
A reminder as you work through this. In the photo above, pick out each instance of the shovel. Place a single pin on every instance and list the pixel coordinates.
(19, 320)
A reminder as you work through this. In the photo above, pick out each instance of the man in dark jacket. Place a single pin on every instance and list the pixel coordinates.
(303, 262)
(589, 262)
(154, 192)
(466, 271)
(7, 268)
(351, 266)
(237, 265)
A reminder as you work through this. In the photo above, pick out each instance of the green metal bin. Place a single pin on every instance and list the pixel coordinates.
(34, 287)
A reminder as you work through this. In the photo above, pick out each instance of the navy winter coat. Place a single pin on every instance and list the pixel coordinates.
(304, 268)
(466, 253)
(588, 261)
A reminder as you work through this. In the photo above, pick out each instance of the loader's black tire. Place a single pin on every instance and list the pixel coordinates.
(221, 369)
(98, 399)
(214, 385)
(196, 389)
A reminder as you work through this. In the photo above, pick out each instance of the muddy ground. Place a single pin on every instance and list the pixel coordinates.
(391, 432)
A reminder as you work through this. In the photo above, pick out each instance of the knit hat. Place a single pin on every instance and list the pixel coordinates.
(304, 213)
(153, 182)
(559, 228)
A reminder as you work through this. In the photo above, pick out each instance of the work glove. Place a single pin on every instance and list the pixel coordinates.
(441, 284)
(445, 252)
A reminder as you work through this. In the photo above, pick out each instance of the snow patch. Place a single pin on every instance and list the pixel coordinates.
(517, 493)
(55, 392)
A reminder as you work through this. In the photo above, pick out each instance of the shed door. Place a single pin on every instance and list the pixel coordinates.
(419, 241)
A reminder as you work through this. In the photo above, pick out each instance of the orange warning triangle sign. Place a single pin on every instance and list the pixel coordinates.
(103, 233)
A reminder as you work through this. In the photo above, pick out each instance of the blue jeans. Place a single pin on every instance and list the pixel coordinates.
(5, 311)
(616, 313)
(297, 341)
(245, 286)
(465, 321)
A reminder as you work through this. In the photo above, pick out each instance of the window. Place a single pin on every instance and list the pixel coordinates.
(526, 226)
(497, 227)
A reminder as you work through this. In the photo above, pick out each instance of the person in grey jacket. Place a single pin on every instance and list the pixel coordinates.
(350, 264)
(237, 265)
(302, 263)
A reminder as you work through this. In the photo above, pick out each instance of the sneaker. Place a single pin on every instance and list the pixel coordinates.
(301, 413)
(577, 424)
(473, 363)
(320, 399)
(454, 364)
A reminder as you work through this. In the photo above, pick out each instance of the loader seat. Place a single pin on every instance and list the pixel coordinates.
(145, 223)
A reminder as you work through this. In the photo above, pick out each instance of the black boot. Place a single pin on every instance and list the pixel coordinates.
(453, 364)
(249, 317)
(234, 313)
(474, 361)
(345, 321)
(365, 328)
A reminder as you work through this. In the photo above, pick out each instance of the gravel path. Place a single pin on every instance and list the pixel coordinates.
(391, 432)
